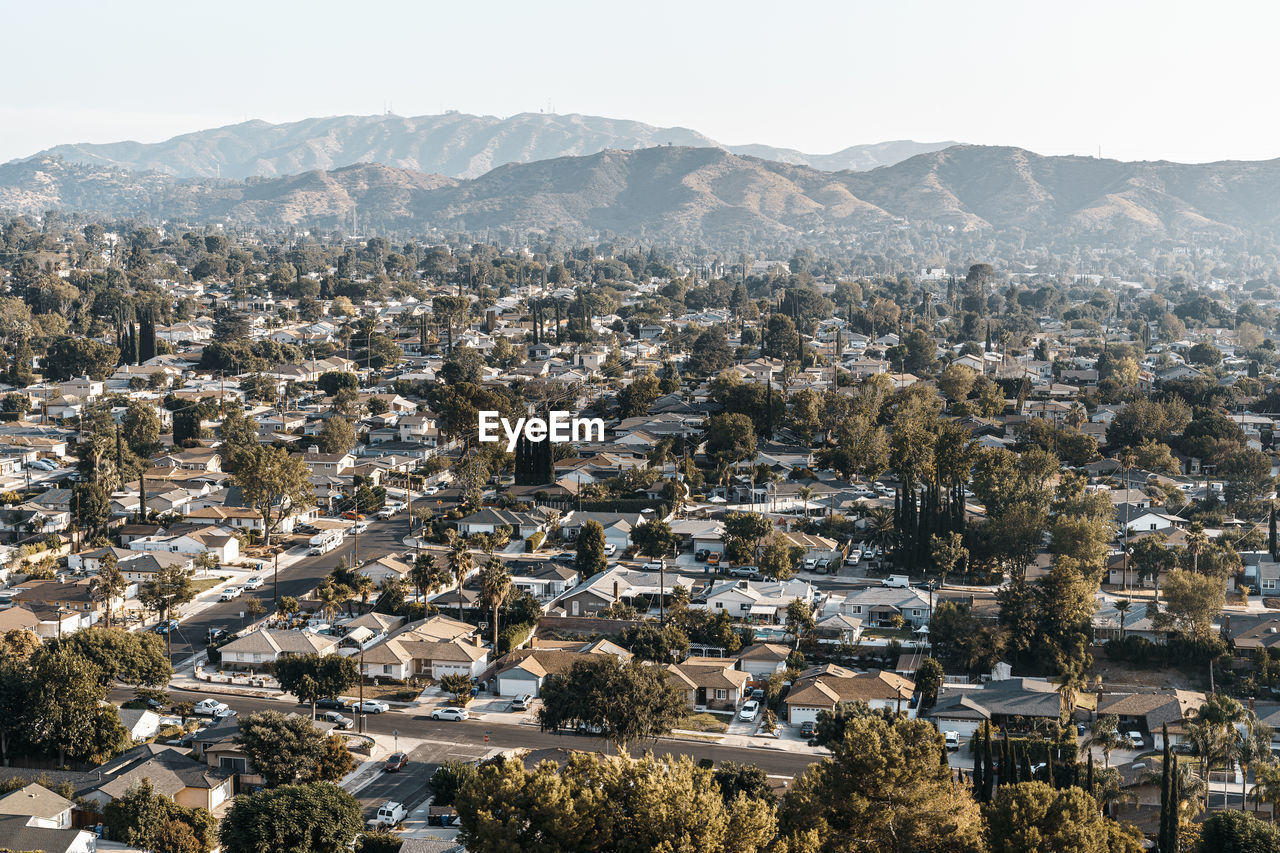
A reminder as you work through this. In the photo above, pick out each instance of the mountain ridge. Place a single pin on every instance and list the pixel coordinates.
(711, 196)
(458, 145)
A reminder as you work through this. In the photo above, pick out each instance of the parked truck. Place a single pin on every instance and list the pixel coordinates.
(897, 581)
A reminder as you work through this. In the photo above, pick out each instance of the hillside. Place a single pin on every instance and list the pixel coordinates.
(454, 144)
(712, 197)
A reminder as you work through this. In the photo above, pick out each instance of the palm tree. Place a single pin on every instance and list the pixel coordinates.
(1249, 748)
(423, 575)
(1196, 540)
(331, 595)
(364, 587)
(460, 565)
(1105, 735)
(1204, 737)
(880, 527)
(1070, 682)
(1266, 786)
(1123, 606)
(495, 583)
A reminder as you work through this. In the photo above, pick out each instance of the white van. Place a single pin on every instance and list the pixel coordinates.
(391, 813)
(897, 581)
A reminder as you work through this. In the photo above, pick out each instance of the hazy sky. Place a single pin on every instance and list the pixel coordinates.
(1142, 80)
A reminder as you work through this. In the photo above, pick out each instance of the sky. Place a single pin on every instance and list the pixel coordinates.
(1191, 82)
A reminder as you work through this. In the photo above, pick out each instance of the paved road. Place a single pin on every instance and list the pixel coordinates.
(468, 736)
(381, 538)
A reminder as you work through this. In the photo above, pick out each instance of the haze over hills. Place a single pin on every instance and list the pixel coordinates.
(712, 197)
(454, 144)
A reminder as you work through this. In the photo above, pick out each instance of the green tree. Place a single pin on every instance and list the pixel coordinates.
(459, 684)
(929, 676)
(136, 658)
(885, 788)
(590, 558)
(660, 645)
(710, 353)
(597, 804)
(68, 358)
(1034, 816)
(318, 817)
(141, 429)
(778, 557)
(460, 565)
(336, 436)
(628, 702)
(336, 380)
(148, 820)
(109, 583)
(1191, 603)
(449, 779)
(168, 588)
(274, 483)
(956, 381)
(66, 714)
(731, 438)
(749, 529)
(314, 677)
(286, 748)
(799, 620)
(1237, 832)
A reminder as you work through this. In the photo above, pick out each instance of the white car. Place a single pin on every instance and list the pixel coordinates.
(953, 740)
(651, 567)
(853, 558)
(431, 490)
(362, 526)
(211, 708)
(610, 549)
(373, 706)
(1135, 738)
(383, 513)
(748, 711)
(454, 714)
(230, 593)
(254, 582)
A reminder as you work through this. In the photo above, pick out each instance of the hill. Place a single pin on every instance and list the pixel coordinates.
(454, 144)
(710, 196)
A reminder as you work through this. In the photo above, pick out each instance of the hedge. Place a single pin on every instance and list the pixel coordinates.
(514, 636)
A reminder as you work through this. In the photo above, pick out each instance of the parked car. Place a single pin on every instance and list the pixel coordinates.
(952, 740)
(352, 515)
(210, 708)
(336, 703)
(822, 566)
(522, 703)
(853, 558)
(713, 559)
(454, 714)
(395, 761)
(651, 566)
(610, 549)
(166, 627)
(373, 706)
(213, 635)
(897, 581)
(1135, 738)
(431, 490)
(701, 555)
(748, 572)
(337, 719)
(390, 813)
(564, 557)
(361, 526)
(254, 582)
(231, 593)
(810, 564)
(807, 728)
(747, 713)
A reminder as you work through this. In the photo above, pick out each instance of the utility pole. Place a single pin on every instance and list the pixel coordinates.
(275, 582)
(360, 709)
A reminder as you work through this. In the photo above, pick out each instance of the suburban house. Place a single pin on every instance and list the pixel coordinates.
(709, 683)
(265, 645)
(824, 687)
(139, 723)
(1013, 703)
(523, 670)
(1149, 713)
(882, 607)
(542, 579)
(381, 569)
(19, 833)
(40, 806)
(762, 660)
(615, 585)
(171, 771)
(212, 540)
(403, 657)
(487, 521)
(754, 601)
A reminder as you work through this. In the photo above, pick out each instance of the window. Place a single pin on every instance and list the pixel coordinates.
(236, 765)
(720, 605)
(1268, 583)
(386, 669)
(722, 694)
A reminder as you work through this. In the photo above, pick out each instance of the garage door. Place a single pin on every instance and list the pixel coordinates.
(800, 715)
(966, 728)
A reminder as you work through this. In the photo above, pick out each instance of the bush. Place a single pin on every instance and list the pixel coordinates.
(534, 542)
(514, 636)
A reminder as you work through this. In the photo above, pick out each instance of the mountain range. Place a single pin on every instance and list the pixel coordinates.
(453, 144)
(709, 196)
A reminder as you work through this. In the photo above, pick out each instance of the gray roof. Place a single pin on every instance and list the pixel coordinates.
(16, 835)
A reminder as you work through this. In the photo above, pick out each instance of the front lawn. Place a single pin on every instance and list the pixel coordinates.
(205, 584)
(705, 722)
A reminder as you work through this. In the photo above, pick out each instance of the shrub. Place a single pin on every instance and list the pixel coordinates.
(514, 636)
(534, 542)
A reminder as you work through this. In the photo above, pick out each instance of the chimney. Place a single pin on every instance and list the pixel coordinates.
(533, 642)
(479, 641)
(313, 449)
(615, 590)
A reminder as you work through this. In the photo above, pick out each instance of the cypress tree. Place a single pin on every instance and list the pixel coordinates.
(1175, 807)
(1089, 777)
(988, 781)
(977, 764)
(1271, 534)
(1024, 767)
(142, 497)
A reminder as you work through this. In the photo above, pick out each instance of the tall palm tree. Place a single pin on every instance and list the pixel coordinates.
(1250, 748)
(1123, 606)
(331, 595)
(1070, 682)
(495, 583)
(1266, 786)
(1196, 540)
(364, 587)
(1204, 737)
(423, 575)
(460, 565)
